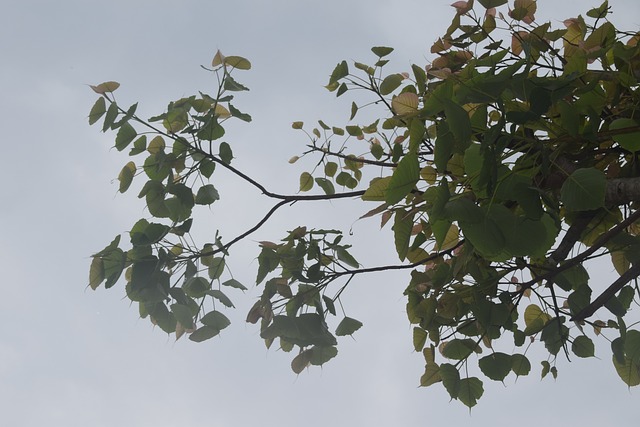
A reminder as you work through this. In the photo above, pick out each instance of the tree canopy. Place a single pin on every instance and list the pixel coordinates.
(505, 168)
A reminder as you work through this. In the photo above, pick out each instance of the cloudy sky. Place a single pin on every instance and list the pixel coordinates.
(73, 357)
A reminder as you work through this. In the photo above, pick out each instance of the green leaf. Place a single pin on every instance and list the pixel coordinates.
(402, 226)
(240, 115)
(520, 365)
(231, 85)
(207, 194)
(125, 135)
(629, 371)
(326, 185)
(496, 366)
(535, 319)
(183, 315)
(216, 320)
(459, 123)
(216, 268)
(390, 83)
(450, 379)
(301, 361)
(237, 62)
(381, 51)
(488, 4)
(126, 176)
(322, 354)
(204, 333)
(584, 190)
(582, 346)
(632, 346)
(96, 272)
(347, 258)
(419, 338)
(458, 349)
(196, 287)
(470, 390)
(348, 326)
(233, 283)
(341, 71)
(220, 296)
(112, 113)
(629, 141)
(225, 153)
(404, 179)
(97, 111)
(306, 181)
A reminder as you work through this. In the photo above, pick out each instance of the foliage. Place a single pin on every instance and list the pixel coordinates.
(506, 166)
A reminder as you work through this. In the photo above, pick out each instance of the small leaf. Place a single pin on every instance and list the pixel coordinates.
(207, 194)
(419, 338)
(629, 141)
(237, 62)
(520, 365)
(582, 346)
(390, 83)
(218, 59)
(105, 87)
(306, 181)
(216, 320)
(233, 283)
(348, 326)
(216, 268)
(470, 390)
(203, 333)
(220, 296)
(381, 51)
(97, 111)
(405, 103)
(126, 176)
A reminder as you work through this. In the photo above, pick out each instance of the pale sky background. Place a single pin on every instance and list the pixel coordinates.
(73, 357)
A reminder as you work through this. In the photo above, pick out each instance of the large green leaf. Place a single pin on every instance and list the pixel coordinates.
(348, 326)
(582, 346)
(470, 390)
(496, 366)
(404, 179)
(584, 190)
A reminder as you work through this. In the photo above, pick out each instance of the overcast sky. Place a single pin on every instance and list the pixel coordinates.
(73, 357)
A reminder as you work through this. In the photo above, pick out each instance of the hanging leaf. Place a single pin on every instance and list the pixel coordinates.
(203, 333)
(97, 111)
(390, 83)
(404, 179)
(237, 62)
(496, 366)
(348, 326)
(306, 181)
(582, 346)
(470, 390)
(207, 194)
(216, 320)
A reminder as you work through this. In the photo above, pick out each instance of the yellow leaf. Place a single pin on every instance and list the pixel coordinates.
(620, 262)
(405, 103)
(105, 87)
(218, 59)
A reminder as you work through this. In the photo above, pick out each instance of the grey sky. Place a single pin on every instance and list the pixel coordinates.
(70, 356)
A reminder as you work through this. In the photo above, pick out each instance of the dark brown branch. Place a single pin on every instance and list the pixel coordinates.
(605, 296)
(599, 243)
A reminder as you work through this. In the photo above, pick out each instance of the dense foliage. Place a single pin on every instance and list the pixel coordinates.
(505, 167)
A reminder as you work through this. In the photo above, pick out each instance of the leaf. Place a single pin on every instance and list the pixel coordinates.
(584, 190)
(326, 185)
(183, 315)
(341, 70)
(628, 371)
(225, 153)
(535, 319)
(347, 258)
(458, 349)
(216, 268)
(216, 320)
(218, 59)
(496, 366)
(220, 296)
(237, 62)
(322, 354)
(419, 338)
(348, 326)
(306, 181)
(488, 4)
(405, 103)
(629, 141)
(632, 346)
(520, 365)
(96, 273)
(381, 51)
(203, 333)
(126, 176)
(450, 379)
(404, 179)
(105, 87)
(207, 194)
(470, 390)
(233, 283)
(582, 346)
(390, 83)
(301, 361)
(97, 111)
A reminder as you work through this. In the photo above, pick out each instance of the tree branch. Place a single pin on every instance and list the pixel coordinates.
(605, 296)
